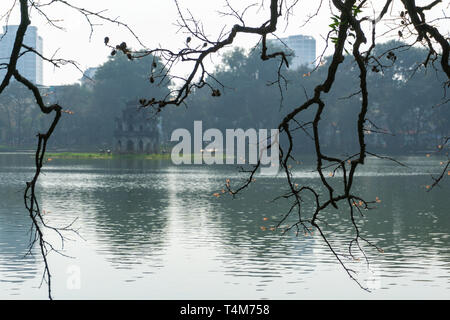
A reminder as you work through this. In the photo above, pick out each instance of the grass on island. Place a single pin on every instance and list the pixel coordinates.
(96, 155)
(5, 148)
(93, 155)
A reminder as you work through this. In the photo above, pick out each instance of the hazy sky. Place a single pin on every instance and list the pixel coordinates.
(153, 21)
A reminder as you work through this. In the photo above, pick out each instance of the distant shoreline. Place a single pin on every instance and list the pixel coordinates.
(97, 155)
(166, 156)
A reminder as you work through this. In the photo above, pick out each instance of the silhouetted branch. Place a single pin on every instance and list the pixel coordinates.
(31, 203)
(348, 35)
(349, 27)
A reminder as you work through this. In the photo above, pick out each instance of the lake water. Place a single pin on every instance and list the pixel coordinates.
(152, 230)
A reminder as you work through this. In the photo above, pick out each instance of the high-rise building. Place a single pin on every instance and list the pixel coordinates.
(30, 64)
(88, 76)
(303, 47)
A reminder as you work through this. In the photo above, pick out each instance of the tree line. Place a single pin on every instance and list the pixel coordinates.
(405, 112)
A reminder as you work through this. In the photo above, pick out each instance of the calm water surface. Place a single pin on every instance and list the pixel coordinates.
(151, 230)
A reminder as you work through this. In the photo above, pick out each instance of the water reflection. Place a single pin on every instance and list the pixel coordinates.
(16, 266)
(158, 226)
(122, 213)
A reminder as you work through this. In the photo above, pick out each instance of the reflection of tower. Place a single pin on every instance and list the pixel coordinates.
(30, 64)
(159, 126)
(303, 47)
(137, 131)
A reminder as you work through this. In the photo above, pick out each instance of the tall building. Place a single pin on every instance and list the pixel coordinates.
(30, 64)
(88, 76)
(303, 47)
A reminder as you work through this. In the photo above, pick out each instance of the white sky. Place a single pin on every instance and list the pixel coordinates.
(153, 21)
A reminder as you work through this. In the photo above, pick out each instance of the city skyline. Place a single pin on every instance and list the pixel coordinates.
(303, 48)
(30, 65)
(74, 40)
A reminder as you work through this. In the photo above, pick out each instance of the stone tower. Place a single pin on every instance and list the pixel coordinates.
(137, 131)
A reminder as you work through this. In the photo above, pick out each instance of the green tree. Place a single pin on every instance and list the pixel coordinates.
(19, 116)
(76, 130)
(118, 81)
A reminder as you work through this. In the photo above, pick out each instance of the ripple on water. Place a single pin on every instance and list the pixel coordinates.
(148, 221)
